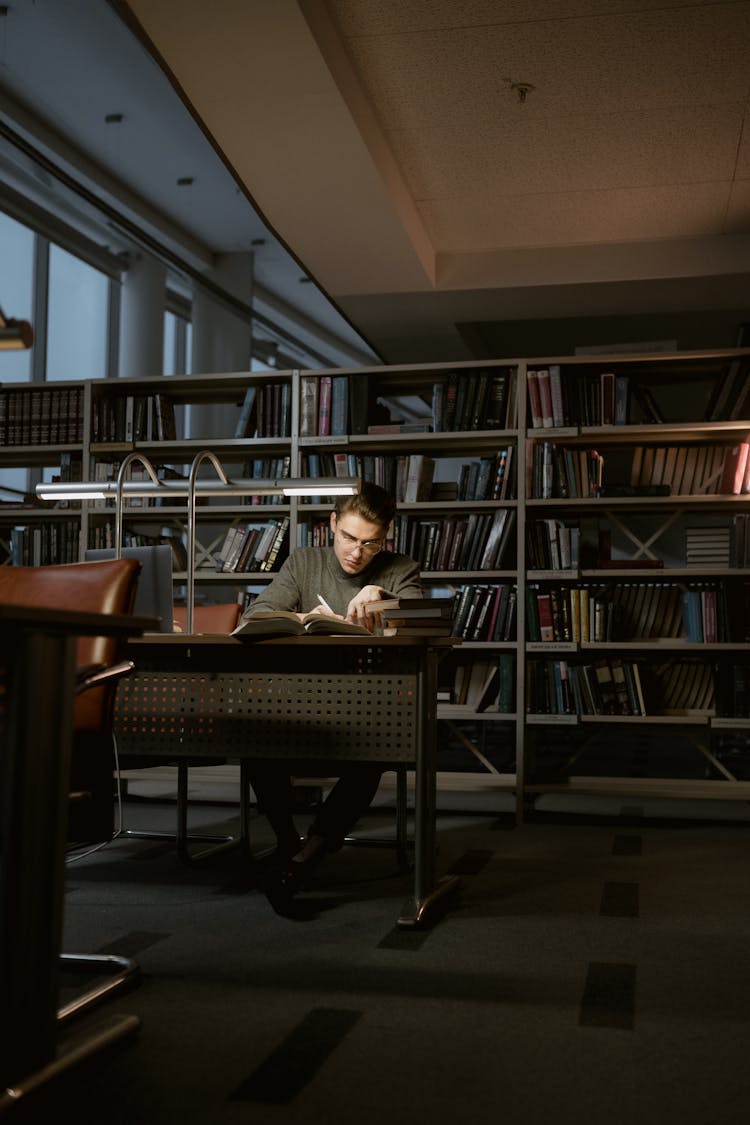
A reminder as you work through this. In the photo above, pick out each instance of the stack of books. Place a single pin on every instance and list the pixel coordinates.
(708, 546)
(413, 617)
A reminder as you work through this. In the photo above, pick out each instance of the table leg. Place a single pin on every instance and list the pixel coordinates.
(427, 890)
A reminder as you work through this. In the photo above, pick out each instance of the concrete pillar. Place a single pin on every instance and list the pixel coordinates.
(221, 342)
(222, 339)
(142, 318)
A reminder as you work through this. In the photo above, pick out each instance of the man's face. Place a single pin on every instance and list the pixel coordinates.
(355, 541)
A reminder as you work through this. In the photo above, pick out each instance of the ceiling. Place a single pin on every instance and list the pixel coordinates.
(461, 177)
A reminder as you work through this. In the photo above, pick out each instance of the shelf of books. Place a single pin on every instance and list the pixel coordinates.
(587, 516)
(636, 585)
(444, 440)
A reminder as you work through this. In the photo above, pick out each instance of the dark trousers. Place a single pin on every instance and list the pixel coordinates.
(349, 798)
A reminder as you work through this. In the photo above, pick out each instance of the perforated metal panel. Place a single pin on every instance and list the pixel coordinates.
(364, 716)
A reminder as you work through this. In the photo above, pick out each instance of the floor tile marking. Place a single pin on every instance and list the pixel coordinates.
(627, 845)
(608, 996)
(620, 900)
(298, 1058)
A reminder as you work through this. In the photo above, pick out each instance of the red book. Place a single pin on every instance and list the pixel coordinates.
(546, 629)
(535, 402)
(735, 466)
(545, 397)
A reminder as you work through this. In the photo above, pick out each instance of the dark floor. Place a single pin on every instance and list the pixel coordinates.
(586, 971)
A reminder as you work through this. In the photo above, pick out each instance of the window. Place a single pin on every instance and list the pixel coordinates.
(178, 333)
(16, 291)
(77, 320)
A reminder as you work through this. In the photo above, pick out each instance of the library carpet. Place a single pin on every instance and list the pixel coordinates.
(588, 968)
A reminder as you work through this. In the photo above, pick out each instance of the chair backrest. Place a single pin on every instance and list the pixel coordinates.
(210, 618)
(96, 587)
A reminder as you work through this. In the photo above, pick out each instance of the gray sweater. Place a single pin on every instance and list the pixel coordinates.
(310, 571)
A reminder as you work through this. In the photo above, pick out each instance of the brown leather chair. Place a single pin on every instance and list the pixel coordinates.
(94, 587)
(209, 618)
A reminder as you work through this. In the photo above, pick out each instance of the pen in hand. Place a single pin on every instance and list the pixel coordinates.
(325, 605)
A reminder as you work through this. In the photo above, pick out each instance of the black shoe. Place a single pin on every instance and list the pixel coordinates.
(281, 883)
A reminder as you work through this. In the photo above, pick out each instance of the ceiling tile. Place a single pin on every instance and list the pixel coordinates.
(645, 60)
(557, 219)
(679, 146)
(389, 17)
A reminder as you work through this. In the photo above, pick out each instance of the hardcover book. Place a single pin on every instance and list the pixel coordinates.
(282, 623)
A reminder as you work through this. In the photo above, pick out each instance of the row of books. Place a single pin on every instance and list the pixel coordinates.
(476, 541)
(485, 612)
(317, 533)
(713, 545)
(692, 470)
(253, 546)
(733, 691)
(102, 535)
(486, 685)
(103, 470)
(410, 478)
(333, 405)
(266, 411)
(267, 468)
(632, 611)
(730, 398)
(552, 544)
(600, 398)
(41, 544)
(129, 418)
(558, 471)
(607, 398)
(475, 400)
(613, 686)
(41, 416)
(607, 686)
(682, 687)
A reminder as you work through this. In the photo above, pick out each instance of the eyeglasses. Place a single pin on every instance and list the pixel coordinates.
(367, 546)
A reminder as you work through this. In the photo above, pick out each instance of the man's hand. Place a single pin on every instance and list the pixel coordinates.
(323, 611)
(356, 609)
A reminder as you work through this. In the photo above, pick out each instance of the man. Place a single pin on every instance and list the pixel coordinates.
(340, 581)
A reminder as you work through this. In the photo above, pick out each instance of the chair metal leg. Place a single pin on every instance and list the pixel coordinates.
(24, 1098)
(220, 843)
(122, 973)
(183, 838)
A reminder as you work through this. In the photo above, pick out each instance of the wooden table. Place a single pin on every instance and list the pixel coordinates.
(308, 699)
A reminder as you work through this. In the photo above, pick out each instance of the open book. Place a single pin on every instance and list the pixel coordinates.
(283, 623)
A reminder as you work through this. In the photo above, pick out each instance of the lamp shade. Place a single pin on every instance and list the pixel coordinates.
(15, 334)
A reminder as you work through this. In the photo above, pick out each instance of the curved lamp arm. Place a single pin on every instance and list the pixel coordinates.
(124, 466)
(204, 455)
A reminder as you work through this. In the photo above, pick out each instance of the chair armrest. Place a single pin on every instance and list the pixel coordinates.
(92, 675)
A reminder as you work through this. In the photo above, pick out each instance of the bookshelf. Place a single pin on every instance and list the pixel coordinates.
(636, 607)
(589, 513)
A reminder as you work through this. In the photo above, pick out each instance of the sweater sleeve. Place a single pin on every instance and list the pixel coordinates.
(284, 592)
(399, 576)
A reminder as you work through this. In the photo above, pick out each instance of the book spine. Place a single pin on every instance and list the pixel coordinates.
(324, 406)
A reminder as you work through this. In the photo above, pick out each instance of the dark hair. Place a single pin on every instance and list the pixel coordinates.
(371, 503)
